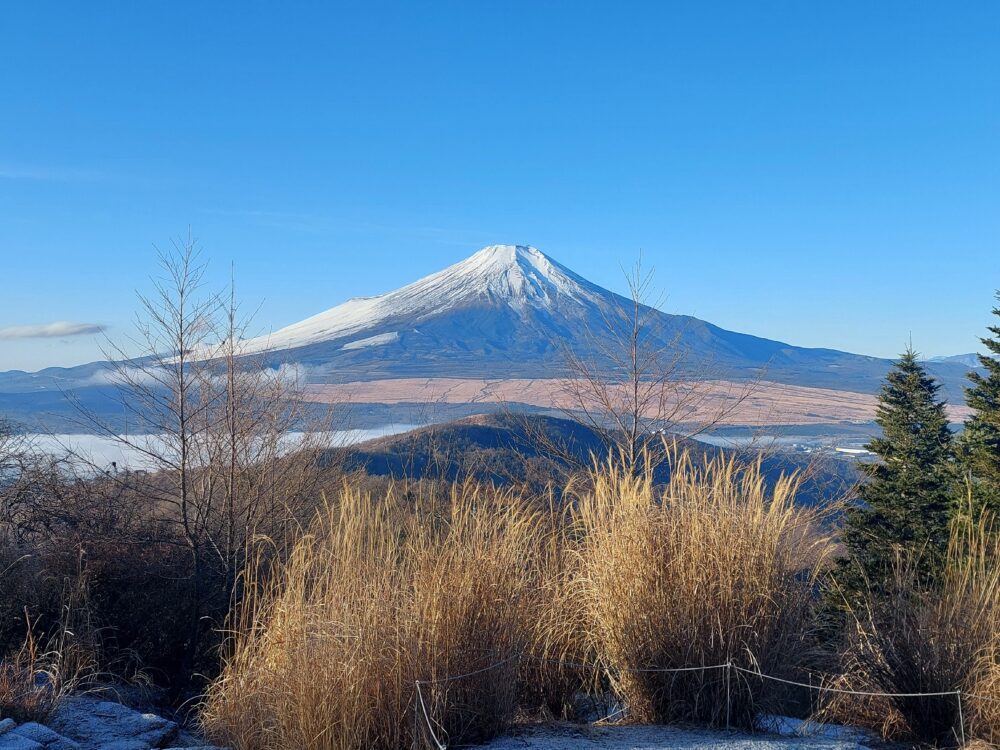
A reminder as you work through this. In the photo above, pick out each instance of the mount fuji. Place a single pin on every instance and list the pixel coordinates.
(510, 311)
(506, 313)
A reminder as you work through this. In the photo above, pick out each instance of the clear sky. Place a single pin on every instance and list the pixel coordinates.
(827, 174)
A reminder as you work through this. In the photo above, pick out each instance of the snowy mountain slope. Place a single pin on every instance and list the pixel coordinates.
(518, 277)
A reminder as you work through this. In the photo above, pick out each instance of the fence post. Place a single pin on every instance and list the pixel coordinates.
(813, 704)
(729, 670)
(416, 716)
(961, 717)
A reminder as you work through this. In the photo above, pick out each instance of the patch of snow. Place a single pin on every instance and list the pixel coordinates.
(91, 723)
(379, 340)
(629, 737)
(98, 724)
(969, 360)
(791, 727)
(14, 741)
(45, 737)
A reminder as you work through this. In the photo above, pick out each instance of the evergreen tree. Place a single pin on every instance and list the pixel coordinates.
(980, 442)
(906, 505)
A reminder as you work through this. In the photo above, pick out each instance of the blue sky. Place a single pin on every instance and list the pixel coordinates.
(827, 174)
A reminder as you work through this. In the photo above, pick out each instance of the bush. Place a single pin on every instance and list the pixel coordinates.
(151, 609)
(130, 581)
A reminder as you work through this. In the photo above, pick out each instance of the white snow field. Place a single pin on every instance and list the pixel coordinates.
(628, 737)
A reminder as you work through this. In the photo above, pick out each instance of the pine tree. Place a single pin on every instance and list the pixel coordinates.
(906, 505)
(981, 439)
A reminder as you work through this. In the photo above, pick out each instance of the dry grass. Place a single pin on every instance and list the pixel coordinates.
(382, 592)
(35, 678)
(713, 569)
(385, 591)
(978, 585)
(927, 641)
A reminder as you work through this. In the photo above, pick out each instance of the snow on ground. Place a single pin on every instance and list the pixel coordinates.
(89, 723)
(626, 737)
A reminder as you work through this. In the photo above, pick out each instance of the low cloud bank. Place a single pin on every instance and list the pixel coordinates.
(55, 330)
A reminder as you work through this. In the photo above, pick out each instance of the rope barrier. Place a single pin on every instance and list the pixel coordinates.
(442, 680)
(621, 710)
(577, 665)
(675, 669)
(728, 666)
(981, 697)
(957, 693)
(453, 678)
(843, 691)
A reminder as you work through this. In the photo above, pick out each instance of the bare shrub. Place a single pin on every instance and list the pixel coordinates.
(630, 378)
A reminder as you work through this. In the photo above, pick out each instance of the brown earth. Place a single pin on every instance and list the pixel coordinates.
(718, 401)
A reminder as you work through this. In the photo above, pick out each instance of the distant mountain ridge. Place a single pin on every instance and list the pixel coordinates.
(536, 449)
(970, 361)
(507, 311)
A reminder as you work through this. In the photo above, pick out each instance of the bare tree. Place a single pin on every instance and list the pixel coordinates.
(635, 385)
(226, 454)
(260, 447)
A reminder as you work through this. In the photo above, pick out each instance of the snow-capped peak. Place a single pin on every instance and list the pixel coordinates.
(497, 257)
(515, 273)
(518, 276)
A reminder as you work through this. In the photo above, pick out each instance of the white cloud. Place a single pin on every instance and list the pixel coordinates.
(59, 329)
(291, 374)
(123, 376)
(288, 376)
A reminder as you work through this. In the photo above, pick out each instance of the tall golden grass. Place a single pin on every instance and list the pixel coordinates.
(383, 592)
(494, 603)
(939, 639)
(715, 568)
